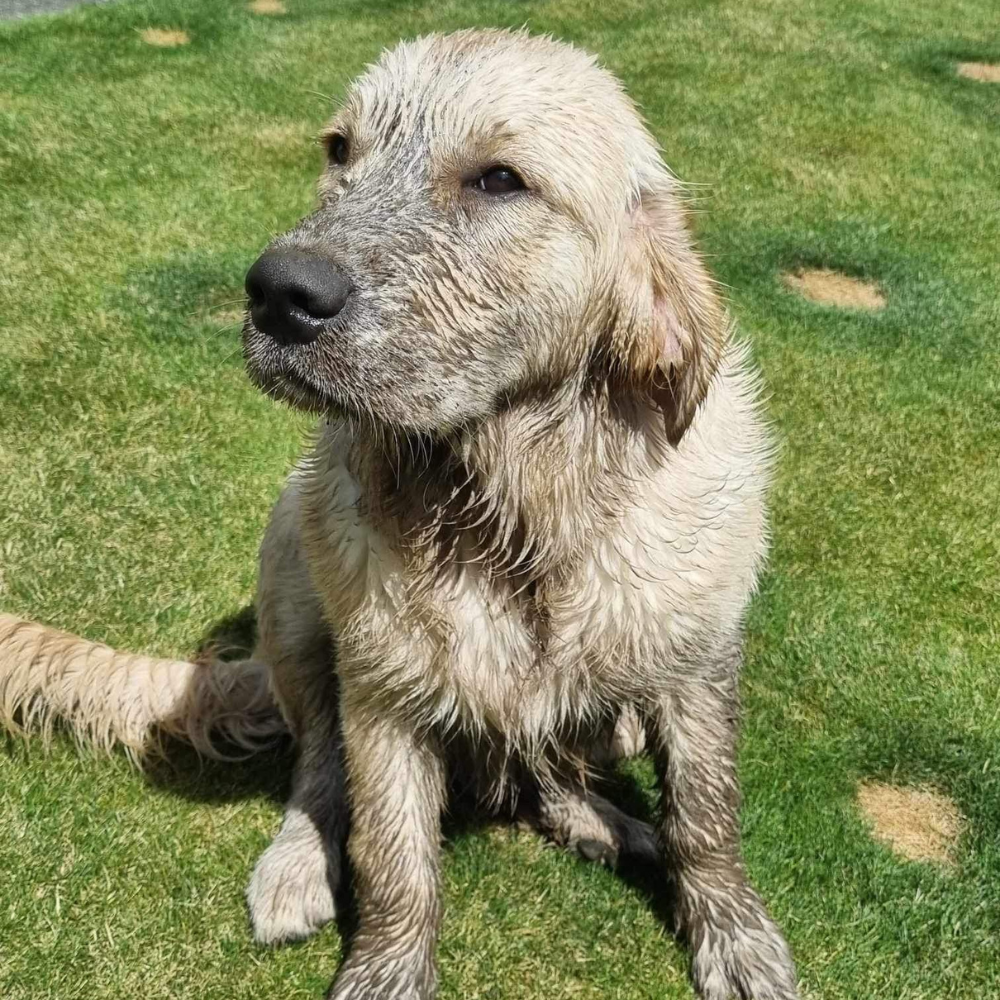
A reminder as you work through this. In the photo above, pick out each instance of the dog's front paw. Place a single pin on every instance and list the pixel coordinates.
(375, 976)
(746, 961)
(291, 891)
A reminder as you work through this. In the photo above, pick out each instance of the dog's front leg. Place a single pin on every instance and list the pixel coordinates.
(396, 782)
(737, 950)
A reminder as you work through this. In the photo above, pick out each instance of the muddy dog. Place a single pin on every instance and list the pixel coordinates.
(534, 510)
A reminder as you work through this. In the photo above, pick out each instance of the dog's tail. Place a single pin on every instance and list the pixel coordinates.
(107, 699)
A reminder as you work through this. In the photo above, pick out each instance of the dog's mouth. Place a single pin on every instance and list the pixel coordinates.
(287, 387)
(274, 371)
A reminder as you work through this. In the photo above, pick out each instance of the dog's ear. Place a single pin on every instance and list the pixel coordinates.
(668, 327)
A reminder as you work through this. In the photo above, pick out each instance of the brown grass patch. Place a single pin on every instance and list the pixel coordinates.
(983, 72)
(918, 823)
(267, 7)
(164, 38)
(832, 288)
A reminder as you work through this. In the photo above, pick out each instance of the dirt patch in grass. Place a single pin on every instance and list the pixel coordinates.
(917, 823)
(164, 38)
(267, 7)
(983, 72)
(832, 288)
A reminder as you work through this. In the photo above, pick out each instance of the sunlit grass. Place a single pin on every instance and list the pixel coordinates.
(137, 466)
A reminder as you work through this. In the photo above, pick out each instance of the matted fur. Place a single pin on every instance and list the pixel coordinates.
(531, 520)
(107, 698)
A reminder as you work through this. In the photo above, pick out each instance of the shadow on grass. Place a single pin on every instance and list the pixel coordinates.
(626, 788)
(182, 772)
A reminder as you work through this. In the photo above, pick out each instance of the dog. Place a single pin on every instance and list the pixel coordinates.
(527, 529)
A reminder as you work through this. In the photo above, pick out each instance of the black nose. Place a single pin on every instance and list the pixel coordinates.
(292, 293)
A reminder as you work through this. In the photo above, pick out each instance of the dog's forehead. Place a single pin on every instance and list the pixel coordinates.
(506, 65)
(550, 102)
(509, 76)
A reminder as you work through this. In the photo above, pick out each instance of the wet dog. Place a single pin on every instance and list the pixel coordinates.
(529, 527)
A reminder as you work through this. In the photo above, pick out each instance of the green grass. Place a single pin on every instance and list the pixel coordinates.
(137, 466)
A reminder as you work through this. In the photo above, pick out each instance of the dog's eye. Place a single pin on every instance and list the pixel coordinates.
(499, 180)
(339, 149)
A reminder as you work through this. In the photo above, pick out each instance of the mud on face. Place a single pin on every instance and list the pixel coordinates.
(467, 228)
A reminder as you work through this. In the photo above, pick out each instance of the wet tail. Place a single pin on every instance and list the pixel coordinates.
(108, 699)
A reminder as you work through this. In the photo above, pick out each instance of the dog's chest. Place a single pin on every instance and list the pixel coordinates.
(462, 650)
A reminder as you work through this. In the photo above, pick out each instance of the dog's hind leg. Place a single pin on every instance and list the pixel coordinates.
(575, 816)
(591, 826)
(293, 886)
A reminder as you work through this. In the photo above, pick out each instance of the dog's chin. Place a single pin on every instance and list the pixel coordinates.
(291, 388)
(275, 376)
(302, 396)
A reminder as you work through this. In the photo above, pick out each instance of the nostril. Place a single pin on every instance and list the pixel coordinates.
(255, 292)
(321, 300)
(303, 300)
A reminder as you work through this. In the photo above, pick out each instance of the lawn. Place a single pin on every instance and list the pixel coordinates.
(137, 465)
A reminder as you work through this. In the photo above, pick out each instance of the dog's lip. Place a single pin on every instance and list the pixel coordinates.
(280, 377)
(296, 380)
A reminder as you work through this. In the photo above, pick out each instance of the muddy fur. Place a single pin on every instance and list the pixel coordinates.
(531, 519)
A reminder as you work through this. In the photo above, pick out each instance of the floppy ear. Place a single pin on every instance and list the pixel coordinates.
(668, 328)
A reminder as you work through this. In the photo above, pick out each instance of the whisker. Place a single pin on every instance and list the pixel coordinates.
(232, 354)
(215, 306)
(226, 329)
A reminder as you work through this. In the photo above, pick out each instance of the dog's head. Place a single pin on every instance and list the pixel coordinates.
(494, 219)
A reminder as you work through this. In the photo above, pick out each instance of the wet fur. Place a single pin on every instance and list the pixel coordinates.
(534, 512)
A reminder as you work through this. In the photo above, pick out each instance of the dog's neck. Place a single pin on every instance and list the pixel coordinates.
(524, 493)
